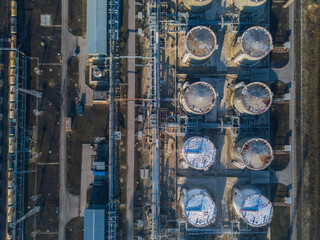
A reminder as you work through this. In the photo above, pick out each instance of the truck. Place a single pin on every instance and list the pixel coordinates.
(80, 110)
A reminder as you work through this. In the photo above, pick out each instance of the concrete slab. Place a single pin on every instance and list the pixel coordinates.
(86, 175)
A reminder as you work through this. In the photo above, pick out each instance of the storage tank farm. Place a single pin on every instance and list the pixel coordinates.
(253, 99)
(198, 207)
(254, 208)
(253, 153)
(199, 153)
(254, 44)
(248, 5)
(200, 44)
(198, 98)
(197, 5)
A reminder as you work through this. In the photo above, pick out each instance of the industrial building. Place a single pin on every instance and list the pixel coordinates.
(199, 153)
(254, 98)
(94, 224)
(255, 209)
(253, 153)
(198, 206)
(198, 98)
(197, 6)
(96, 27)
(254, 44)
(200, 44)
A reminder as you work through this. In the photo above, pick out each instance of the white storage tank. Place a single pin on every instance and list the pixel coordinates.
(198, 207)
(254, 208)
(199, 153)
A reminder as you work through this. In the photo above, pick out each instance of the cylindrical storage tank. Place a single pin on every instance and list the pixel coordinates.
(13, 41)
(10, 214)
(254, 153)
(199, 153)
(12, 110)
(10, 165)
(11, 144)
(197, 5)
(12, 80)
(12, 94)
(13, 8)
(254, 44)
(12, 59)
(198, 98)
(248, 5)
(200, 44)
(254, 98)
(255, 209)
(13, 71)
(10, 199)
(199, 208)
(9, 236)
(97, 73)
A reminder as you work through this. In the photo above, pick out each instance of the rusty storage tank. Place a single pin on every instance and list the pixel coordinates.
(253, 153)
(200, 44)
(248, 5)
(254, 44)
(197, 5)
(254, 98)
(198, 98)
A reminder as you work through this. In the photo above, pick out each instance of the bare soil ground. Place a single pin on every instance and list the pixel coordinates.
(74, 229)
(84, 129)
(47, 237)
(78, 17)
(308, 165)
(281, 223)
(279, 28)
(44, 182)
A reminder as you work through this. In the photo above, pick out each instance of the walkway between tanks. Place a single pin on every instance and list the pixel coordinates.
(130, 120)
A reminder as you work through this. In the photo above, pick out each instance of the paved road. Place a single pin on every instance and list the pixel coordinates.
(286, 74)
(69, 204)
(130, 120)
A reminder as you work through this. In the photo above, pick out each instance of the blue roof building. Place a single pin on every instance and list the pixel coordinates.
(96, 27)
(94, 224)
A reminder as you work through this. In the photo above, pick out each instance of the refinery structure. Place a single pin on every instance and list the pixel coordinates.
(213, 121)
(201, 138)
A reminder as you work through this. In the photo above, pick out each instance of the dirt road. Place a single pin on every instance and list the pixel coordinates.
(308, 103)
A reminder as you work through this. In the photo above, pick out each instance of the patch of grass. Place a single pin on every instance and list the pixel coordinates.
(278, 192)
(280, 162)
(78, 17)
(280, 223)
(74, 229)
(73, 69)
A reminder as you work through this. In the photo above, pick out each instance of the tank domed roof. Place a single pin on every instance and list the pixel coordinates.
(201, 41)
(199, 208)
(198, 98)
(199, 152)
(256, 42)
